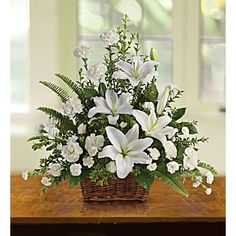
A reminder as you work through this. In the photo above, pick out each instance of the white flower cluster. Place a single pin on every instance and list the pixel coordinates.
(93, 144)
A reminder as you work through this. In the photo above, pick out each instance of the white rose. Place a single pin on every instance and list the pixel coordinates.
(154, 153)
(198, 182)
(210, 177)
(72, 151)
(82, 128)
(39, 129)
(55, 169)
(96, 71)
(83, 51)
(123, 124)
(208, 191)
(46, 181)
(72, 106)
(25, 174)
(170, 150)
(88, 161)
(190, 159)
(152, 166)
(111, 167)
(75, 169)
(172, 167)
(110, 37)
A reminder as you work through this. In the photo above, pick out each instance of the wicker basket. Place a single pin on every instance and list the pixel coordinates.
(117, 189)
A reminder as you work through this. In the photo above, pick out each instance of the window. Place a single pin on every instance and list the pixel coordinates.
(213, 50)
(96, 17)
(19, 55)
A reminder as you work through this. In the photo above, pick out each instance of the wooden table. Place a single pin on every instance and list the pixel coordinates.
(63, 212)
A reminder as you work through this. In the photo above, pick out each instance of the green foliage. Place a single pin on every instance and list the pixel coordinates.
(192, 128)
(89, 93)
(170, 179)
(57, 89)
(102, 89)
(151, 93)
(178, 113)
(207, 167)
(144, 179)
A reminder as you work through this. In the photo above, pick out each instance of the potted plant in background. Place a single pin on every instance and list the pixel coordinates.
(118, 130)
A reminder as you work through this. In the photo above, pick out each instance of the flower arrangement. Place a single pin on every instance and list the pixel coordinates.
(118, 121)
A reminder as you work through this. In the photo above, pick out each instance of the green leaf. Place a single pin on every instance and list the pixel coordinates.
(192, 128)
(170, 179)
(73, 181)
(88, 93)
(144, 180)
(102, 89)
(56, 89)
(207, 167)
(151, 93)
(177, 114)
(35, 138)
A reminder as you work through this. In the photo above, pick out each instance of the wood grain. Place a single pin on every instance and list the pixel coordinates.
(65, 206)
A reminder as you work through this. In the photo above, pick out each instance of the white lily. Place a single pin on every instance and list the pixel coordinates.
(153, 126)
(112, 105)
(126, 149)
(136, 72)
(163, 100)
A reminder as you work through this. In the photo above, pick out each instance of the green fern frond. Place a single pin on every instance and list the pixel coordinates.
(171, 180)
(56, 89)
(71, 84)
(207, 167)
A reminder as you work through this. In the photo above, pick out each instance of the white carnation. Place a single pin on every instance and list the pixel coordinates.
(154, 153)
(93, 144)
(123, 124)
(72, 106)
(46, 181)
(55, 169)
(83, 51)
(88, 161)
(172, 167)
(111, 167)
(51, 129)
(39, 129)
(149, 105)
(82, 128)
(110, 37)
(170, 131)
(72, 151)
(210, 177)
(25, 174)
(152, 166)
(190, 158)
(96, 72)
(185, 131)
(170, 150)
(75, 169)
(208, 191)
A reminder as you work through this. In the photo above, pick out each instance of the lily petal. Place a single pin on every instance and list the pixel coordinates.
(133, 133)
(94, 110)
(112, 119)
(142, 158)
(142, 119)
(124, 165)
(163, 121)
(139, 145)
(146, 68)
(108, 151)
(111, 99)
(126, 67)
(157, 135)
(116, 137)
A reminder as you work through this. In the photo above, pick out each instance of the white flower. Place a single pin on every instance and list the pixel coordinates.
(46, 181)
(51, 129)
(126, 149)
(83, 51)
(153, 126)
(137, 71)
(149, 106)
(163, 100)
(96, 72)
(72, 106)
(88, 161)
(93, 144)
(82, 128)
(55, 169)
(75, 169)
(123, 124)
(111, 166)
(154, 153)
(210, 177)
(198, 182)
(170, 131)
(25, 175)
(208, 191)
(170, 150)
(173, 89)
(110, 37)
(72, 151)
(112, 105)
(172, 167)
(39, 129)
(152, 166)
(59, 146)
(190, 158)
(185, 132)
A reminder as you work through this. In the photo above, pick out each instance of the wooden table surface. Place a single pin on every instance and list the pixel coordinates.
(66, 206)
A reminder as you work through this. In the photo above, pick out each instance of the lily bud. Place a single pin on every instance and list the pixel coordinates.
(163, 100)
(153, 54)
